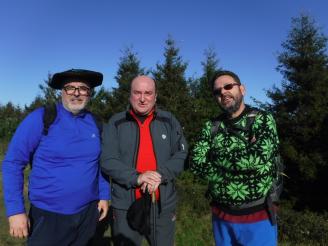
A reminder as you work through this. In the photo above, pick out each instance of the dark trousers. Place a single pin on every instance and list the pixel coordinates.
(124, 235)
(53, 229)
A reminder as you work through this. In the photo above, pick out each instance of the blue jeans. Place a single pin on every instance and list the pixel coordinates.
(261, 233)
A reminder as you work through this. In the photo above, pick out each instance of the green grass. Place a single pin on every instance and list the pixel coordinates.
(193, 214)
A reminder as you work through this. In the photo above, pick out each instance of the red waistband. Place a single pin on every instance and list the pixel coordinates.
(248, 218)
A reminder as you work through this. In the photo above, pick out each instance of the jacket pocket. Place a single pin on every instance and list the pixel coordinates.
(169, 195)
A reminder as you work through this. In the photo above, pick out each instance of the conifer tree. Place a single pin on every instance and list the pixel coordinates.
(129, 68)
(301, 108)
(173, 91)
(10, 117)
(204, 104)
(101, 104)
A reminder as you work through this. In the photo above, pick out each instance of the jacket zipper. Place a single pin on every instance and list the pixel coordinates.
(133, 193)
(154, 152)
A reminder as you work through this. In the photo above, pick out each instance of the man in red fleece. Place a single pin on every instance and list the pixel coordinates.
(143, 150)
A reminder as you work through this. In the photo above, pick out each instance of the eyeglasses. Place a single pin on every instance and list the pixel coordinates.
(83, 90)
(217, 92)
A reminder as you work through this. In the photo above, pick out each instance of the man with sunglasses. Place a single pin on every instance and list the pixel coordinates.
(236, 154)
(67, 193)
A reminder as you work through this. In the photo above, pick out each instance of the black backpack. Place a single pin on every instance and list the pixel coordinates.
(277, 186)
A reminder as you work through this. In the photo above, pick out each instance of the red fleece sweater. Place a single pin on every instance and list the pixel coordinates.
(146, 160)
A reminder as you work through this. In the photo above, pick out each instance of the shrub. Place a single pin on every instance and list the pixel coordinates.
(302, 227)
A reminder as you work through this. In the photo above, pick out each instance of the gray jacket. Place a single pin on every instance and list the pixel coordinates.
(119, 154)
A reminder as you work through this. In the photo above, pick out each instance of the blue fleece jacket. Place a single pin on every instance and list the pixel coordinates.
(65, 175)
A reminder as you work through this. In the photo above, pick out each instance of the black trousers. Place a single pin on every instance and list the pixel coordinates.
(124, 235)
(53, 229)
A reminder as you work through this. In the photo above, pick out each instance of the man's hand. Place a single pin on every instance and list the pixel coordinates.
(149, 177)
(153, 187)
(19, 225)
(149, 180)
(103, 209)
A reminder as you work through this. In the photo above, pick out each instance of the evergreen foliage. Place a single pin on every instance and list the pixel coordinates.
(172, 87)
(129, 68)
(10, 117)
(101, 104)
(204, 104)
(301, 111)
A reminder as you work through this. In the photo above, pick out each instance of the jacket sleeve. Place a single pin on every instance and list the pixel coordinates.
(111, 161)
(201, 164)
(20, 150)
(175, 165)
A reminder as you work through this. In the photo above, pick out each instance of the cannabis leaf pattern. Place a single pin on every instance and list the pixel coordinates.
(237, 171)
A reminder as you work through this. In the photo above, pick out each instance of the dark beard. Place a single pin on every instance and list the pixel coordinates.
(234, 107)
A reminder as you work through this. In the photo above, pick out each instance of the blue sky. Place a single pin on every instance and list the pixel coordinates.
(40, 37)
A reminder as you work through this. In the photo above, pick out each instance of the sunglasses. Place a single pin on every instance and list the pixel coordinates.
(217, 92)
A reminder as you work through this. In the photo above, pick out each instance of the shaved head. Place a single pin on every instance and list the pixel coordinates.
(143, 94)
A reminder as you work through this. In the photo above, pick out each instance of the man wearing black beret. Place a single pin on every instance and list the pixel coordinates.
(67, 193)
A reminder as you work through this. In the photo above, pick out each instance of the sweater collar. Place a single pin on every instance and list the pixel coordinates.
(246, 110)
(62, 109)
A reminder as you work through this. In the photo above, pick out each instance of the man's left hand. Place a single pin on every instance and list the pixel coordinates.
(103, 209)
(150, 187)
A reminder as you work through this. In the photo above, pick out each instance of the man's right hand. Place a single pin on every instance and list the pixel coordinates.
(19, 225)
(149, 180)
(149, 177)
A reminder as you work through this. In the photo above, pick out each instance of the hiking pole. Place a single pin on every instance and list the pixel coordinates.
(153, 203)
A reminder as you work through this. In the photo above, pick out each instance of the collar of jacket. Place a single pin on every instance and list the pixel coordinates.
(130, 117)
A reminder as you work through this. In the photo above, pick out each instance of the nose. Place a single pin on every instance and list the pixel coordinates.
(223, 90)
(76, 92)
(142, 97)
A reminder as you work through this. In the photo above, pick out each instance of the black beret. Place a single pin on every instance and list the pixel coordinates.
(91, 78)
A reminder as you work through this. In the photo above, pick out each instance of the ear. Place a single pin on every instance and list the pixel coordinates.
(242, 89)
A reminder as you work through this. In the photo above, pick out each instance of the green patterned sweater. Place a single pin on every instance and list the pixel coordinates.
(237, 171)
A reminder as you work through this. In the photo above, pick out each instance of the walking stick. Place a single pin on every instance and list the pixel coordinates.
(153, 202)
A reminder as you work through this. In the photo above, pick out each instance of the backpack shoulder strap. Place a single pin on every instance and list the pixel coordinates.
(248, 127)
(249, 123)
(216, 123)
(49, 116)
(251, 118)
